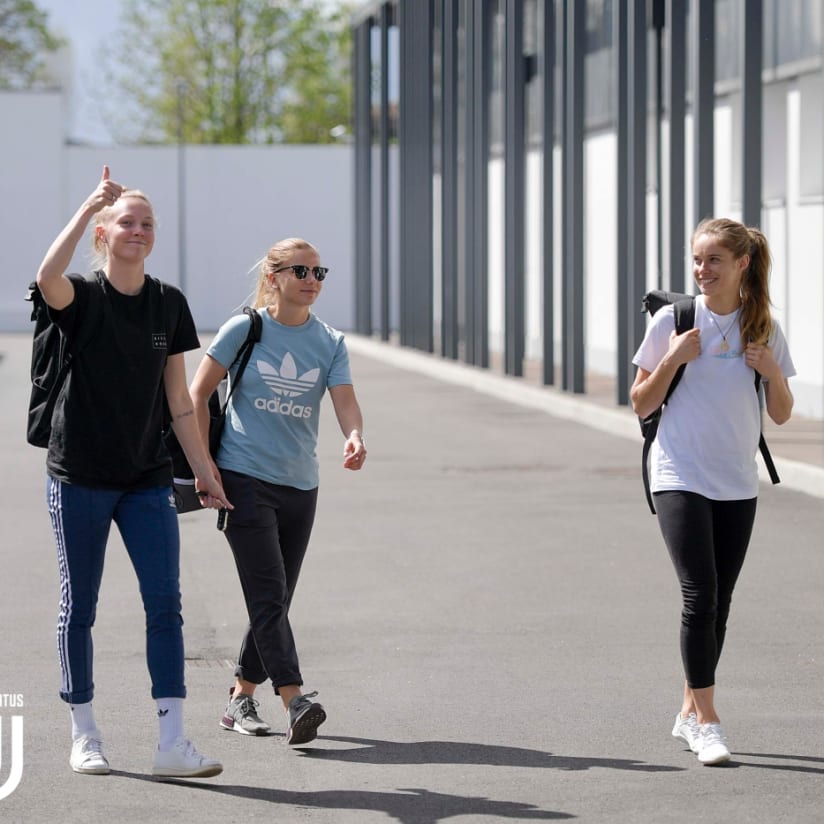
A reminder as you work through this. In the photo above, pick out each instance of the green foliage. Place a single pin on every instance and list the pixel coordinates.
(231, 71)
(24, 39)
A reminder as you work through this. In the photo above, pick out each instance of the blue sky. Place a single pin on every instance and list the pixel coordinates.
(88, 25)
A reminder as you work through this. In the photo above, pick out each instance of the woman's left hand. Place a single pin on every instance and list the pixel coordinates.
(210, 491)
(760, 357)
(354, 452)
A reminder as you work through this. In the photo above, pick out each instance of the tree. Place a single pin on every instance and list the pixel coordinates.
(231, 71)
(24, 40)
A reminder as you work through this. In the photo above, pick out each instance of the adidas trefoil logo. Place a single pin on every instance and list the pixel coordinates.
(286, 383)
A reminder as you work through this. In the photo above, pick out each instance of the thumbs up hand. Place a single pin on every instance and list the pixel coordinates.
(106, 193)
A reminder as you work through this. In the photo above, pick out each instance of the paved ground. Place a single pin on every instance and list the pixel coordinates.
(487, 611)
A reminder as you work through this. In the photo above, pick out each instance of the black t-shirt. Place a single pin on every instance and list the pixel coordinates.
(107, 424)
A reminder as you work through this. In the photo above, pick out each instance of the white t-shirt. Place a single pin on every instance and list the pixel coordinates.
(709, 429)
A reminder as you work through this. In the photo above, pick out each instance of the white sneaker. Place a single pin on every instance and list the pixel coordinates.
(184, 761)
(712, 745)
(687, 730)
(87, 757)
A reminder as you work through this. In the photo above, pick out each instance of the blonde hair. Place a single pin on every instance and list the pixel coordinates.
(277, 257)
(99, 254)
(755, 320)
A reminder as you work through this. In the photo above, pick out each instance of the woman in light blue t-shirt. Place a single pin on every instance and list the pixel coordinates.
(269, 468)
(704, 476)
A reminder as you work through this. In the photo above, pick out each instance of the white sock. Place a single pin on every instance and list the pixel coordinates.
(170, 718)
(83, 722)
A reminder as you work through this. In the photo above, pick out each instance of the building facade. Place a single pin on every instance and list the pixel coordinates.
(525, 170)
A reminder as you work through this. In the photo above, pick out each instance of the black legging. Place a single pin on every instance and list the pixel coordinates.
(707, 541)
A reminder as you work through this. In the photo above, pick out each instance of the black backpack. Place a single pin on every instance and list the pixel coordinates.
(51, 359)
(184, 481)
(684, 311)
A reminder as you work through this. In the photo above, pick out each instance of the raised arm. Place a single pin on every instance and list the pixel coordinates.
(56, 288)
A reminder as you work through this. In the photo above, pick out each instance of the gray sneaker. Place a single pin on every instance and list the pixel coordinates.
(241, 716)
(305, 716)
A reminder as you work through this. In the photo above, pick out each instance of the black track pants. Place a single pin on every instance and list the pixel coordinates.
(268, 531)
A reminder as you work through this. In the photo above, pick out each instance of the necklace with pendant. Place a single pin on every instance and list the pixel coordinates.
(725, 347)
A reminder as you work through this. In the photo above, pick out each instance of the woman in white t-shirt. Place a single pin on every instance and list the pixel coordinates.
(704, 478)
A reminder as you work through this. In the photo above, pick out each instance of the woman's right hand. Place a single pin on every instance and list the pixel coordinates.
(57, 290)
(685, 348)
(106, 193)
(650, 388)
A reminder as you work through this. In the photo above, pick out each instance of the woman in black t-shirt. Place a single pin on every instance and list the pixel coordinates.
(107, 462)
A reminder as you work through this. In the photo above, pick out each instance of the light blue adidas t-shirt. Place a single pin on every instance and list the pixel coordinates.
(272, 421)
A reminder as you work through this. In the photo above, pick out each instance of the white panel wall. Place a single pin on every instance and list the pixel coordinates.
(32, 188)
(533, 288)
(239, 200)
(600, 253)
(495, 250)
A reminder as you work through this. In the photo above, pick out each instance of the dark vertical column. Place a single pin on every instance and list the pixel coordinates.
(573, 197)
(385, 210)
(657, 9)
(477, 180)
(514, 206)
(751, 112)
(636, 170)
(703, 109)
(449, 180)
(620, 44)
(548, 215)
(623, 355)
(362, 116)
(415, 147)
(469, 180)
(677, 19)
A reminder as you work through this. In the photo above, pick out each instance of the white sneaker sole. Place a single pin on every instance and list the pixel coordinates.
(101, 770)
(206, 771)
(721, 758)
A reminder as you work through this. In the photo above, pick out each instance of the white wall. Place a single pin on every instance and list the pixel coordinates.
(238, 201)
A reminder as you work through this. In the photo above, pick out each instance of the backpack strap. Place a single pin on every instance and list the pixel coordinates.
(762, 443)
(684, 311)
(245, 351)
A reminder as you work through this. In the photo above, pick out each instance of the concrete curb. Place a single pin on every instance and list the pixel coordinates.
(794, 475)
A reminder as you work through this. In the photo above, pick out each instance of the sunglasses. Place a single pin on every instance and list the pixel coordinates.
(300, 271)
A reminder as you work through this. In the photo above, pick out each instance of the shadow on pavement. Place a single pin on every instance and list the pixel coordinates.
(784, 767)
(451, 752)
(408, 806)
